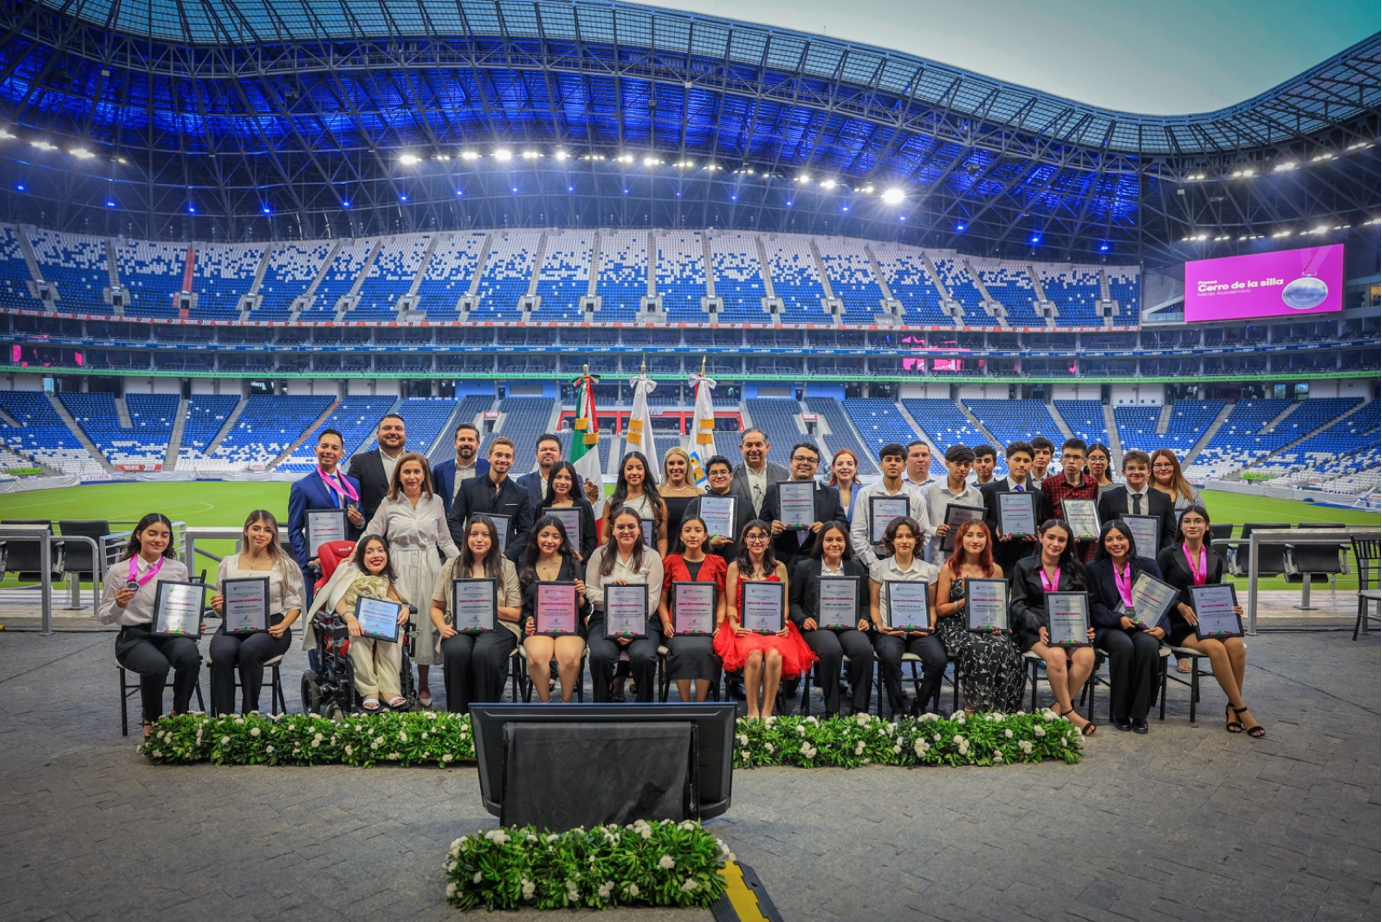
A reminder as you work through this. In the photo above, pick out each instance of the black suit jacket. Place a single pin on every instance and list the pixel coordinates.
(1176, 571)
(1114, 505)
(479, 497)
(804, 593)
(1007, 553)
(1028, 604)
(1104, 597)
(368, 470)
(788, 547)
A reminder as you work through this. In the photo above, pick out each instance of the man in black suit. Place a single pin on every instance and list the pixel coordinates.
(374, 469)
(757, 473)
(535, 482)
(494, 494)
(792, 544)
(1138, 498)
(1009, 549)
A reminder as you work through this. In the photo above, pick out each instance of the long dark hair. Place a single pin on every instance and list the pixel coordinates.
(1101, 552)
(679, 545)
(611, 545)
(132, 548)
(527, 570)
(1207, 538)
(840, 525)
(551, 497)
(745, 561)
(1068, 562)
(275, 549)
(890, 533)
(358, 557)
(493, 559)
(621, 488)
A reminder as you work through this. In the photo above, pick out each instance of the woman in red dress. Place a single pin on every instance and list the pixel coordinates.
(765, 658)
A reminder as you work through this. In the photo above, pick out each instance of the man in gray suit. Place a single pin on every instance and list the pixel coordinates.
(757, 473)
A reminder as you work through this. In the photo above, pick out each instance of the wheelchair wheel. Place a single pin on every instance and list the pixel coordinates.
(311, 693)
(407, 684)
(334, 712)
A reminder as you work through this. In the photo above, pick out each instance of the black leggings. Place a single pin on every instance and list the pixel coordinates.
(151, 658)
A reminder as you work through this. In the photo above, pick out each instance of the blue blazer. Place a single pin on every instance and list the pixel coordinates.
(853, 496)
(311, 493)
(1104, 598)
(444, 479)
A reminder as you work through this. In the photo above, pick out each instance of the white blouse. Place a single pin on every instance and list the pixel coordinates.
(285, 582)
(650, 572)
(410, 527)
(140, 609)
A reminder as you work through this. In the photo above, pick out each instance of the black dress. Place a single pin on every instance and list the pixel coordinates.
(676, 510)
(988, 668)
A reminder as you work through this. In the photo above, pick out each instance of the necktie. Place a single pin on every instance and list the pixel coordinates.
(1018, 489)
(1137, 504)
(757, 498)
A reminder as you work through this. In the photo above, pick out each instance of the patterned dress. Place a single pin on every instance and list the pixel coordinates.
(989, 669)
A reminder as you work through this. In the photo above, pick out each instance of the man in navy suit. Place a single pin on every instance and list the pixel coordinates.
(535, 482)
(324, 488)
(444, 478)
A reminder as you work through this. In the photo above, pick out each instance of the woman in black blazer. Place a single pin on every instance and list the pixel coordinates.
(1194, 563)
(831, 555)
(1133, 650)
(1055, 569)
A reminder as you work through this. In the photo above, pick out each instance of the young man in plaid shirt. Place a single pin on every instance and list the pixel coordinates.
(1071, 483)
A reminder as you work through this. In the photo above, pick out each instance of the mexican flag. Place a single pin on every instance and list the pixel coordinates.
(585, 443)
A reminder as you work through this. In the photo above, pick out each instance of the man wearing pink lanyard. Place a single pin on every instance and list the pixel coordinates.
(325, 488)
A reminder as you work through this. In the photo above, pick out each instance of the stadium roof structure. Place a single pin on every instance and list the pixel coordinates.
(233, 119)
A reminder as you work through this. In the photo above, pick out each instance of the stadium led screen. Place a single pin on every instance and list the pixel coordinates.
(1282, 284)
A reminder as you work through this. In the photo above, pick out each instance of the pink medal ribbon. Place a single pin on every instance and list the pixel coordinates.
(343, 489)
(1124, 583)
(1200, 575)
(153, 571)
(1047, 584)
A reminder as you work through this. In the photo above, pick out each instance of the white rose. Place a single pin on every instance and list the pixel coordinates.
(604, 889)
(743, 739)
(997, 756)
(225, 741)
(1008, 734)
(861, 719)
(447, 757)
(529, 888)
(1025, 746)
(633, 889)
(1038, 729)
(689, 885)
(859, 748)
(254, 731)
(477, 878)
(450, 890)
(666, 863)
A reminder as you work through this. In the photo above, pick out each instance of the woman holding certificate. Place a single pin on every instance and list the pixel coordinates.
(554, 616)
(691, 613)
(259, 597)
(475, 651)
(624, 561)
(988, 664)
(377, 660)
(636, 490)
(413, 519)
(830, 606)
(902, 603)
(1056, 569)
(756, 636)
(128, 595)
(1129, 634)
(562, 496)
(1185, 566)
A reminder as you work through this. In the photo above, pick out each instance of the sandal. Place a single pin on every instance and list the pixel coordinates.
(370, 704)
(1183, 666)
(1089, 727)
(1231, 725)
(148, 727)
(1256, 731)
(397, 702)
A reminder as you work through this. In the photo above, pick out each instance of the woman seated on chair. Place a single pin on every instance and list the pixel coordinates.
(1056, 569)
(623, 560)
(260, 557)
(988, 667)
(377, 664)
(127, 597)
(903, 539)
(550, 558)
(691, 656)
(1134, 648)
(765, 658)
(477, 664)
(831, 555)
(1194, 563)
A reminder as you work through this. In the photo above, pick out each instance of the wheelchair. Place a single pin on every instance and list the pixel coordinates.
(328, 683)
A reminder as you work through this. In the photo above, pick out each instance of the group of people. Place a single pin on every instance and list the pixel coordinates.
(416, 529)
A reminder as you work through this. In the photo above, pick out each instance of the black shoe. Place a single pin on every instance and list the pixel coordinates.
(1124, 724)
(1139, 725)
(735, 690)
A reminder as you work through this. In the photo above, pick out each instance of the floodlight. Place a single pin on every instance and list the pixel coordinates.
(503, 155)
(81, 153)
(469, 155)
(408, 159)
(531, 155)
(561, 155)
(43, 145)
(894, 196)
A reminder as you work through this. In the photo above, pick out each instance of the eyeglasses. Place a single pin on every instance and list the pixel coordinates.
(755, 537)
(798, 459)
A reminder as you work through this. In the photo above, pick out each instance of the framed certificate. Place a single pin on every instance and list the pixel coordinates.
(378, 618)
(245, 605)
(474, 605)
(693, 608)
(1146, 531)
(1213, 606)
(718, 514)
(1068, 616)
(178, 609)
(986, 605)
(570, 518)
(323, 527)
(763, 608)
(838, 607)
(649, 536)
(626, 610)
(1017, 514)
(909, 605)
(1151, 600)
(796, 503)
(1082, 515)
(882, 511)
(556, 609)
(956, 514)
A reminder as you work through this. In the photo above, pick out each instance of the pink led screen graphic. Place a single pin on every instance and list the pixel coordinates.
(1287, 283)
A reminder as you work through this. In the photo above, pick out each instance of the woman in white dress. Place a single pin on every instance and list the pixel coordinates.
(413, 518)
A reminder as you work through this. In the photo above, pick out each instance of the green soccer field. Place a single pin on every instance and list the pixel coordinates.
(227, 504)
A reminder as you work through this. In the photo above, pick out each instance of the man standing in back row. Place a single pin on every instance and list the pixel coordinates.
(535, 482)
(374, 469)
(757, 473)
(450, 474)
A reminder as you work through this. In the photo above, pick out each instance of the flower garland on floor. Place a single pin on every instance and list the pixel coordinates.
(424, 737)
(650, 864)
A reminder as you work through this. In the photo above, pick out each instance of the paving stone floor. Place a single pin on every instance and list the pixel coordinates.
(1187, 822)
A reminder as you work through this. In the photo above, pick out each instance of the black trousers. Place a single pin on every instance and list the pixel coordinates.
(604, 657)
(151, 658)
(1132, 665)
(933, 660)
(247, 654)
(476, 666)
(832, 647)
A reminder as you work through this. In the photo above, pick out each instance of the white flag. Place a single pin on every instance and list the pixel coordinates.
(700, 441)
(639, 436)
